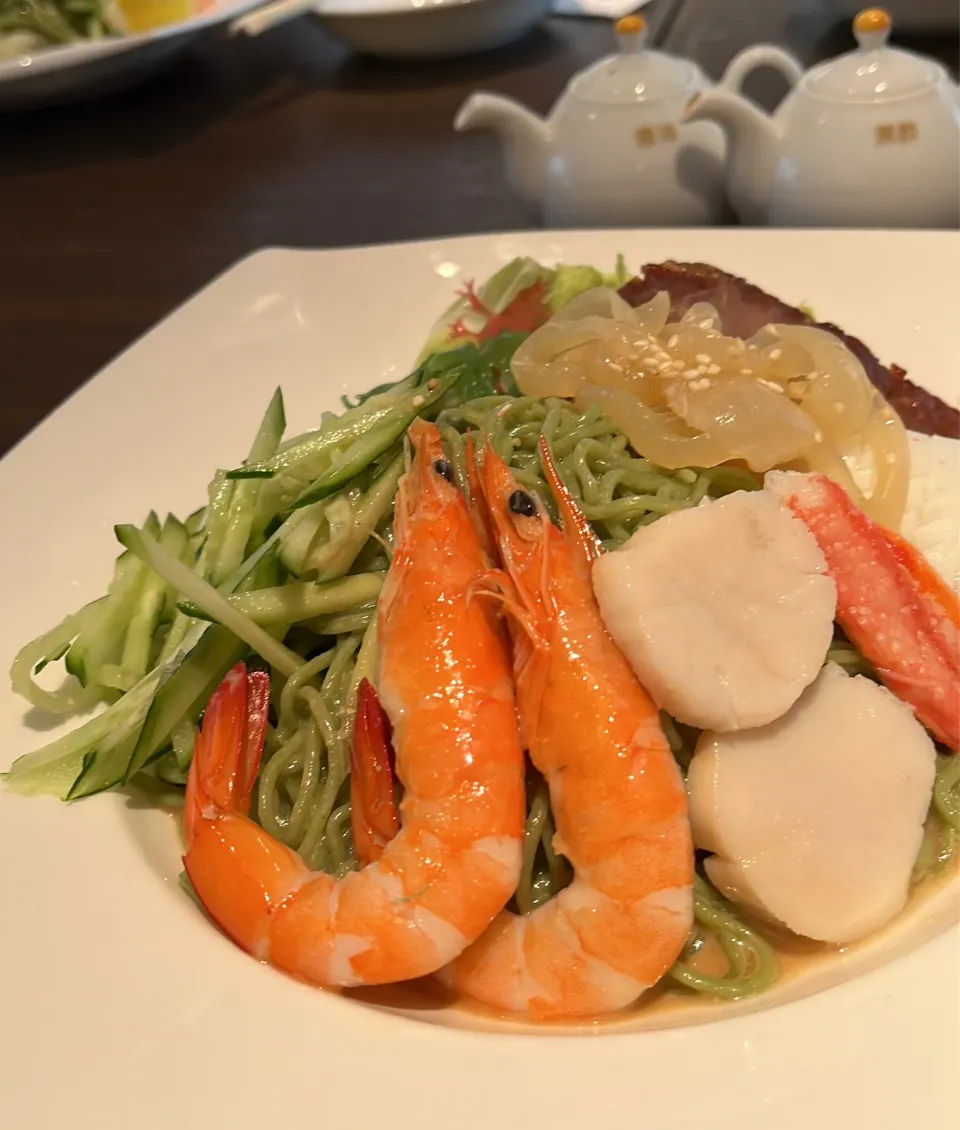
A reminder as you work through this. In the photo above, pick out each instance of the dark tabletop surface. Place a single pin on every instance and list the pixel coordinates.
(113, 212)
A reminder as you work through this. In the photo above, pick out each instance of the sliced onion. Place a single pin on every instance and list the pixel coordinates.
(561, 355)
(597, 336)
(601, 302)
(790, 395)
(660, 436)
(753, 422)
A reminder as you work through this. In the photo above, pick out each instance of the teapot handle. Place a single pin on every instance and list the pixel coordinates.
(764, 55)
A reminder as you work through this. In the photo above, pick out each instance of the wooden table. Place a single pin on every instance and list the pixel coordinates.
(114, 212)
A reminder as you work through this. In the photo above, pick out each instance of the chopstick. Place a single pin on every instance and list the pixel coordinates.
(270, 15)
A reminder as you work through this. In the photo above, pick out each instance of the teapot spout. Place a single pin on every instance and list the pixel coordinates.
(753, 147)
(525, 138)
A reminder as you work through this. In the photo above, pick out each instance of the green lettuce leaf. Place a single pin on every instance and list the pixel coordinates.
(562, 284)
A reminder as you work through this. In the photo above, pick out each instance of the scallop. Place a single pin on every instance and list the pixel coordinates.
(724, 611)
(816, 819)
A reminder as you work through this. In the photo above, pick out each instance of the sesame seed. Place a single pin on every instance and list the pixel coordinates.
(890, 458)
(747, 372)
(691, 372)
(418, 402)
(818, 437)
(703, 384)
(772, 385)
(673, 342)
(701, 369)
(814, 376)
(839, 407)
(617, 368)
(713, 369)
(432, 383)
(703, 358)
(775, 354)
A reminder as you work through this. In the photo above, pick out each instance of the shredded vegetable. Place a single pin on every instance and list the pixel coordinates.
(285, 563)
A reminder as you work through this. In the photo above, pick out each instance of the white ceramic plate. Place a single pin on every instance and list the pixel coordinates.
(101, 66)
(120, 1006)
(425, 29)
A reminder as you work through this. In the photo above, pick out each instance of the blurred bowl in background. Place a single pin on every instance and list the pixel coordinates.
(428, 29)
(90, 68)
(918, 16)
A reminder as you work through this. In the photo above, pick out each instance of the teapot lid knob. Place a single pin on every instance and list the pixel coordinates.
(871, 28)
(632, 33)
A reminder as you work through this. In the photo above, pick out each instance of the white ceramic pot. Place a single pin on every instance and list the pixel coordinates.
(871, 139)
(614, 151)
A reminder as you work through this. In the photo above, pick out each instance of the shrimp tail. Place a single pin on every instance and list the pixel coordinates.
(217, 829)
(228, 747)
(576, 528)
(374, 819)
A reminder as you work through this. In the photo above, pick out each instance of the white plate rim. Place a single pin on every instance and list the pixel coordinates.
(26, 66)
(881, 1048)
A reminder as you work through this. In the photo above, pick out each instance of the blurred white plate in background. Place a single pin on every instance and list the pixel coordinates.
(423, 29)
(101, 66)
(604, 9)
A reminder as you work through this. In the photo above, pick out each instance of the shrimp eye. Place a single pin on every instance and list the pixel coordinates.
(442, 467)
(521, 503)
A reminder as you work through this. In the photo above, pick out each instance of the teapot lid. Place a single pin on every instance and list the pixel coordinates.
(873, 72)
(635, 73)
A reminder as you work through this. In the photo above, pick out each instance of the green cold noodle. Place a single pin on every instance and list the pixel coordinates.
(285, 563)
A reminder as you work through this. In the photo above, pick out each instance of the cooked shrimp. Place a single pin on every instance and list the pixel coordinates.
(617, 795)
(894, 607)
(374, 818)
(446, 684)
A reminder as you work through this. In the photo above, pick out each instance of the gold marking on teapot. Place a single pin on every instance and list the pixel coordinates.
(656, 135)
(891, 133)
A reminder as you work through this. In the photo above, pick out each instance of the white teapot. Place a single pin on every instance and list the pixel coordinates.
(614, 150)
(870, 139)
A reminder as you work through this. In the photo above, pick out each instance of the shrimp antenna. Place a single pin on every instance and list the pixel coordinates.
(576, 528)
(478, 503)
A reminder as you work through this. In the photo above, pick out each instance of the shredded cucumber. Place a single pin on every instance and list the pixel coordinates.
(215, 605)
(292, 603)
(243, 502)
